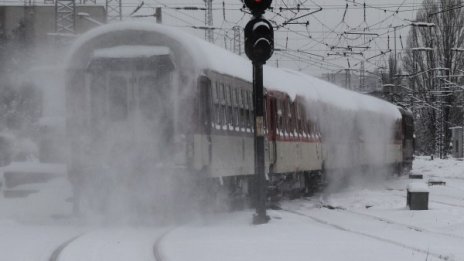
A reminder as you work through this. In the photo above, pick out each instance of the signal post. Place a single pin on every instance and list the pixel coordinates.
(259, 47)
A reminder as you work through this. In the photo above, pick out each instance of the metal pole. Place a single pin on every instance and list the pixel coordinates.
(394, 44)
(260, 182)
(159, 15)
(209, 36)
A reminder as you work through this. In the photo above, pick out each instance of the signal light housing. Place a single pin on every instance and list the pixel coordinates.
(259, 40)
(257, 7)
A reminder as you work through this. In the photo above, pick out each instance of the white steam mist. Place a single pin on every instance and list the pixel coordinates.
(130, 170)
(357, 141)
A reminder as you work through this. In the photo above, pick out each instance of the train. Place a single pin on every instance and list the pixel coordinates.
(145, 98)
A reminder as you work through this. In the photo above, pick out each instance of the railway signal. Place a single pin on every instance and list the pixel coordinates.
(259, 40)
(259, 47)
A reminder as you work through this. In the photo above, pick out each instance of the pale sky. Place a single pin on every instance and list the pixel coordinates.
(316, 47)
(314, 43)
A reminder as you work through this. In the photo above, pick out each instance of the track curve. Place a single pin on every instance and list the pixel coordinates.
(157, 247)
(114, 244)
(56, 253)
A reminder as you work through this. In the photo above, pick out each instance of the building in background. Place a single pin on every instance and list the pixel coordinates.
(31, 93)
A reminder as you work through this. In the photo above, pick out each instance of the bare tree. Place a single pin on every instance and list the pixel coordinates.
(433, 60)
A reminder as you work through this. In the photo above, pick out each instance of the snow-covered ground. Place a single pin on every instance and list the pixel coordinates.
(362, 222)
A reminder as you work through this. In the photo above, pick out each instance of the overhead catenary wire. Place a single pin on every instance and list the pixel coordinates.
(312, 33)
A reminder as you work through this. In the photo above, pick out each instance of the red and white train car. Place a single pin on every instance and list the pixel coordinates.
(144, 97)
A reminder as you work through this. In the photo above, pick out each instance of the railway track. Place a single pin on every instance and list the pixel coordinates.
(57, 252)
(392, 222)
(94, 244)
(447, 177)
(347, 229)
(157, 247)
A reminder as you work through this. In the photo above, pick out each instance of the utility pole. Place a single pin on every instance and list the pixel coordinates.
(238, 40)
(259, 47)
(362, 77)
(439, 94)
(394, 46)
(414, 67)
(209, 34)
(159, 15)
(348, 79)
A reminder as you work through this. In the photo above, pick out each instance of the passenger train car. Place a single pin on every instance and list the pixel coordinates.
(145, 98)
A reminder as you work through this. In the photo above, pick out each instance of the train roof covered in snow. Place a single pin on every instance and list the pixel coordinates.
(198, 55)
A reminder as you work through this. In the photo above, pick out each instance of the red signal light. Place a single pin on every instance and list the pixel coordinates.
(257, 7)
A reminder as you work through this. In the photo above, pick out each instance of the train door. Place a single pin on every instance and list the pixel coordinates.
(153, 109)
(119, 121)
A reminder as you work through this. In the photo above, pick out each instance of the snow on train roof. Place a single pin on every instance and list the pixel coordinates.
(208, 56)
(130, 51)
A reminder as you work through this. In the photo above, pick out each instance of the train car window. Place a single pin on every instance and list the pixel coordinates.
(236, 109)
(290, 120)
(282, 118)
(288, 110)
(250, 100)
(232, 108)
(210, 110)
(304, 124)
(229, 111)
(296, 117)
(214, 91)
(220, 109)
(223, 107)
(239, 97)
(279, 118)
(265, 115)
(311, 129)
(232, 96)
(244, 113)
(117, 94)
(241, 105)
(211, 91)
(227, 95)
(251, 112)
(217, 107)
(220, 92)
(301, 130)
(244, 99)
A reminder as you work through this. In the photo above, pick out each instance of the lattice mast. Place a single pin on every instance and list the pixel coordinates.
(65, 17)
(209, 35)
(439, 113)
(237, 39)
(113, 10)
(362, 77)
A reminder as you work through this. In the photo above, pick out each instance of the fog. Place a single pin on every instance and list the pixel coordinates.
(127, 132)
(127, 163)
(357, 136)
